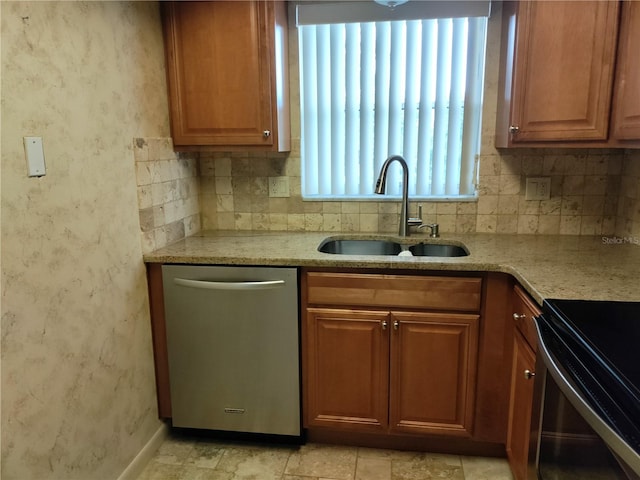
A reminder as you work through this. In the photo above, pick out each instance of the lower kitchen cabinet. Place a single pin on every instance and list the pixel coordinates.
(520, 408)
(395, 370)
(519, 446)
(406, 372)
(433, 372)
(348, 368)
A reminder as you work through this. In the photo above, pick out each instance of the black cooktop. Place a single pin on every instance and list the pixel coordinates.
(611, 329)
(598, 345)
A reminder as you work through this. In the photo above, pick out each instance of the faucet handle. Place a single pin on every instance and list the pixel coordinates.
(435, 229)
(416, 221)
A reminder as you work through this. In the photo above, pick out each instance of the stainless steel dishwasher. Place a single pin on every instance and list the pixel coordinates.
(232, 338)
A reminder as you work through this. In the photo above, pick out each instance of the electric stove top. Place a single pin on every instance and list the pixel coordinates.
(598, 345)
(610, 329)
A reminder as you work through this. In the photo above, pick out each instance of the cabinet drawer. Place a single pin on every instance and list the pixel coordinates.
(524, 310)
(408, 291)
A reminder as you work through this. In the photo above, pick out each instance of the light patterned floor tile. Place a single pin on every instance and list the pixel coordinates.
(428, 466)
(202, 459)
(481, 468)
(195, 473)
(373, 468)
(161, 471)
(338, 463)
(175, 450)
(254, 463)
(364, 452)
(205, 455)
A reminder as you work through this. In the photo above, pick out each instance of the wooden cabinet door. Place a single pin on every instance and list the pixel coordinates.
(626, 108)
(347, 369)
(433, 373)
(562, 72)
(220, 72)
(520, 408)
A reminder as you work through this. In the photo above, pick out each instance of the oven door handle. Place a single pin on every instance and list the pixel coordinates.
(569, 389)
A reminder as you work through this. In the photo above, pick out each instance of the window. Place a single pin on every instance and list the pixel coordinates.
(406, 86)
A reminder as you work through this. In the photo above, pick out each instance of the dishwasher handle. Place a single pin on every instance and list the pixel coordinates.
(215, 285)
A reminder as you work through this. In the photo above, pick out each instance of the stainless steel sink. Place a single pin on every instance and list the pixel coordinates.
(360, 247)
(438, 250)
(352, 246)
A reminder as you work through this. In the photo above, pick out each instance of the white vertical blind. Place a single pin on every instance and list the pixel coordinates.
(323, 89)
(412, 99)
(472, 103)
(309, 105)
(402, 87)
(426, 116)
(352, 105)
(456, 103)
(381, 106)
(338, 109)
(441, 106)
(367, 104)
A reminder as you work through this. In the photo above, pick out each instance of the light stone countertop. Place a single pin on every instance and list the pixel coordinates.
(548, 266)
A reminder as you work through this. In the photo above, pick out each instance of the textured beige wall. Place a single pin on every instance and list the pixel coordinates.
(585, 184)
(78, 394)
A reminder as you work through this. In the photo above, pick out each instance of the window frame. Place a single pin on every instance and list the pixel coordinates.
(471, 168)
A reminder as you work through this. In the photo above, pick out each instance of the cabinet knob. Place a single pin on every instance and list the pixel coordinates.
(266, 133)
(513, 129)
(384, 324)
(519, 316)
(528, 374)
(396, 325)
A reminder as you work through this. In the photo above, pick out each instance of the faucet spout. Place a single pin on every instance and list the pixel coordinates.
(403, 228)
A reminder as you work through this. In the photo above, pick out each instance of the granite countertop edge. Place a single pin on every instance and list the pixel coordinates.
(547, 266)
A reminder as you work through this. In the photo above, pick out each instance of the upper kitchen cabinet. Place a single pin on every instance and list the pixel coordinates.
(558, 71)
(227, 75)
(626, 102)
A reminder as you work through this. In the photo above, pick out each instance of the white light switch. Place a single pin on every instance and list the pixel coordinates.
(35, 156)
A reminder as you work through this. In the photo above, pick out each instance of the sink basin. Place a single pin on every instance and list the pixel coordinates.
(360, 247)
(352, 246)
(437, 250)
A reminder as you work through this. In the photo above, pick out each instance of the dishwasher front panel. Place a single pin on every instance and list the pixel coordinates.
(232, 339)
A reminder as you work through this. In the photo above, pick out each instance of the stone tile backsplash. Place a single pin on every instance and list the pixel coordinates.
(584, 192)
(168, 192)
(629, 200)
(593, 192)
(587, 187)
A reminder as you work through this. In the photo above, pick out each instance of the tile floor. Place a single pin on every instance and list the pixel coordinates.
(185, 458)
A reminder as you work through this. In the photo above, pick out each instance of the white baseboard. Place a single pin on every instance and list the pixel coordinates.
(138, 464)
